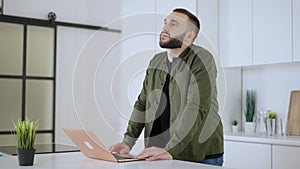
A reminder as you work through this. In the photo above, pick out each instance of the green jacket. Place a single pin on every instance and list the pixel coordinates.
(195, 126)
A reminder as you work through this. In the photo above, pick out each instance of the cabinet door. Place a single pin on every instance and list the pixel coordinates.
(236, 32)
(247, 155)
(208, 13)
(296, 28)
(272, 31)
(285, 157)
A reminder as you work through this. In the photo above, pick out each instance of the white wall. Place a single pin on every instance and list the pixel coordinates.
(273, 84)
(85, 64)
(233, 101)
(86, 82)
(93, 12)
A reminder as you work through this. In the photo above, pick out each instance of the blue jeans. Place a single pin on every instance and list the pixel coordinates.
(214, 161)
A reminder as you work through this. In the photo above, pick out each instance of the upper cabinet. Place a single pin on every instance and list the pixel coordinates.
(254, 32)
(207, 12)
(272, 31)
(296, 30)
(236, 32)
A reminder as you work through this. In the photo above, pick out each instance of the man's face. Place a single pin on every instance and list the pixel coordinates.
(174, 31)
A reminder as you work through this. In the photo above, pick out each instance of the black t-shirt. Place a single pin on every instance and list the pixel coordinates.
(160, 134)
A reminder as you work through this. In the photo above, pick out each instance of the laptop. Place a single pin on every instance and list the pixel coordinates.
(92, 147)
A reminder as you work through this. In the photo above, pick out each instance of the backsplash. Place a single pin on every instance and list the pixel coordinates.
(273, 85)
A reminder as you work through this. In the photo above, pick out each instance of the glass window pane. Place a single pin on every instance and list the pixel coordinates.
(40, 51)
(41, 138)
(10, 102)
(39, 102)
(11, 49)
(6, 140)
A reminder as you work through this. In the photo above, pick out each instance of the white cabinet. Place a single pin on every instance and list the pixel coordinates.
(247, 155)
(254, 32)
(272, 31)
(236, 32)
(296, 30)
(284, 157)
(208, 13)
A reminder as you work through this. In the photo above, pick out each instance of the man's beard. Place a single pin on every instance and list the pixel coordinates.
(173, 43)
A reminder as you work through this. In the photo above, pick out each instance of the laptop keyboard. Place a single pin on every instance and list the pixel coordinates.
(123, 156)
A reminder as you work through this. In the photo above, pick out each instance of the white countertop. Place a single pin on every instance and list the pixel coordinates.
(263, 138)
(76, 160)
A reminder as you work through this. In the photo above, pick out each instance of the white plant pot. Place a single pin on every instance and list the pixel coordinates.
(234, 129)
(249, 127)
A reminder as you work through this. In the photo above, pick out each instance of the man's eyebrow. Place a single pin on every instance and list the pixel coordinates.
(172, 20)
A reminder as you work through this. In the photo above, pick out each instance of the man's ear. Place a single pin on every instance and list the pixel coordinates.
(190, 36)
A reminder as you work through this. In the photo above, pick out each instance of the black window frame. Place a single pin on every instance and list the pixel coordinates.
(24, 77)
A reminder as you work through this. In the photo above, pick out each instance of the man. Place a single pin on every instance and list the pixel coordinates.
(178, 105)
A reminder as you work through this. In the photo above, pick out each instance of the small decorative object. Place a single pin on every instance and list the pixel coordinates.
(261, 117)
(271, 122)
(250, 110)
(25, 132)
(234, 126)
(293, 118)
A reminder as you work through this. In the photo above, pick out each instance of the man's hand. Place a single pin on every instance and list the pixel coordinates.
(119, 148)
(154, 153)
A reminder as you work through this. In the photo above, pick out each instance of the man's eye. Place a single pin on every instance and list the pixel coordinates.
(173, 24)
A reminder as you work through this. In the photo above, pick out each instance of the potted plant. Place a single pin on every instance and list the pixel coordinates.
(272, 115)
(25, 131)
(250, 110)
(271, 122)
(234, 126)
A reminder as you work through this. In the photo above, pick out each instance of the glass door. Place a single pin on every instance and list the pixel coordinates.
(27, 78)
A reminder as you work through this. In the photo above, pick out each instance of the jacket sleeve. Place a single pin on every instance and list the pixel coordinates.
(198, 104)
(137, 119)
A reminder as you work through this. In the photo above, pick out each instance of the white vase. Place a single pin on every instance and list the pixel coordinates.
(249, 127)
(234, 129)
(271, 124)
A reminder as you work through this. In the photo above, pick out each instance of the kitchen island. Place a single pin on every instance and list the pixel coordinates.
(74, 160)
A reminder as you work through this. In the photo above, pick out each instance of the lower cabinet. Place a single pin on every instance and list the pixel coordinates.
(245, 155)
(242, 155)
(285, 157)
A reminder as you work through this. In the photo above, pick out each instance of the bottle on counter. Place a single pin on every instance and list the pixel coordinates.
(261, 122)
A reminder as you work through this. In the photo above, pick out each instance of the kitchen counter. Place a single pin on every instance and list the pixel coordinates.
(78, 160)
(263, 139)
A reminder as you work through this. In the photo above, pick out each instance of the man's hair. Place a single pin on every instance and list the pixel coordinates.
(192, 18)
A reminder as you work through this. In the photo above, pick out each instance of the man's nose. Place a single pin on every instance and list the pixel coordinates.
(166, 28)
